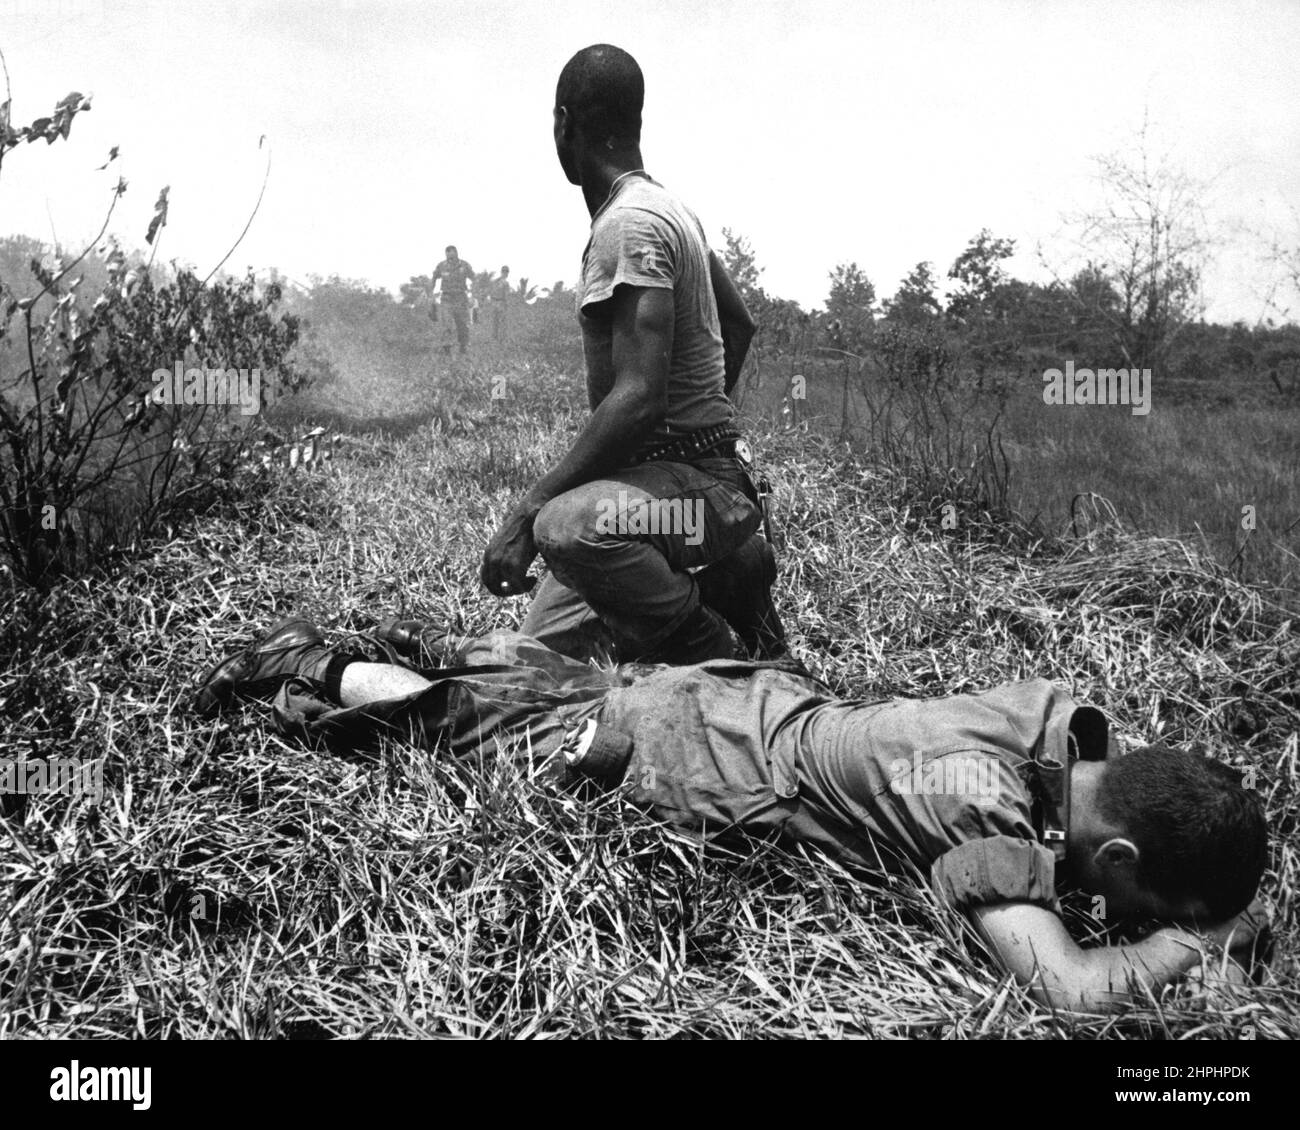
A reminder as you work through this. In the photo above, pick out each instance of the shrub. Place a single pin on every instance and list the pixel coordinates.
(88, 460)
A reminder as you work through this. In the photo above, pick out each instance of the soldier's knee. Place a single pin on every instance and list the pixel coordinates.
(564, 527)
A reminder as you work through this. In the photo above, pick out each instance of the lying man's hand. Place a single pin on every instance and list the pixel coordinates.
(509, 553)
(1033, 944)
(1247, 942)
(1238, 933)
(1248, 938)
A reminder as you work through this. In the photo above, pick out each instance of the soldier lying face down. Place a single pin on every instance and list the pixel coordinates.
(999, 799)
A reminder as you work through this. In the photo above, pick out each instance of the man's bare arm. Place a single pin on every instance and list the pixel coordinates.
(642, 345)
(738, 325)
(1033, 944)
(598, 355)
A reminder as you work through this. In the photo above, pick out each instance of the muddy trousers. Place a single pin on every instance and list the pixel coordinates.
(624, 552)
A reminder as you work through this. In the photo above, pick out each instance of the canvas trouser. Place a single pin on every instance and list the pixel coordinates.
(503, 685)
(620, 550)
(703, 732)
(455, 323)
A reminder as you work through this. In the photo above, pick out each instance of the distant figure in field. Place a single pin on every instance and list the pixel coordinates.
(500, 297)
(649, 523)
(453, 284)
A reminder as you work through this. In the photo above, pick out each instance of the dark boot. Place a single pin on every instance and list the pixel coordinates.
(422, 642)
(703, 635)
(739, 588)
(291, 649)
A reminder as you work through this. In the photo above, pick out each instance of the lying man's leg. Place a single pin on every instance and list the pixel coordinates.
(361, 683)
(502, 684)
(295, 649)
(291, 649)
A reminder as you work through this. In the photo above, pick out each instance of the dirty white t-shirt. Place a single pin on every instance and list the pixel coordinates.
(645, 236)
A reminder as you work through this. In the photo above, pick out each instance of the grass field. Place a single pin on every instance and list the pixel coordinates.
(234, 885)
(1189, 469)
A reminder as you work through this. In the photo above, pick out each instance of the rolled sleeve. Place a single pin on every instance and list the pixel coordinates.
(995, 869)
(629, 247)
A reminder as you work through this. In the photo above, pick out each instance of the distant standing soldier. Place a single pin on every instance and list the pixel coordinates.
(453, 281)
(500, 296)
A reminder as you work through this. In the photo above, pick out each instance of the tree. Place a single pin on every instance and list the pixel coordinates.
(525, 292)
(780, 320)
(979, 274)
(416, 289)
(739, 260)
(1148, 241)
(850, 308)
(915, 303)
(1284, 258)
(1094, 307)
(983, 305)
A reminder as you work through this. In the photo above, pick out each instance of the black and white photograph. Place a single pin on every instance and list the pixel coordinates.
(729, 520)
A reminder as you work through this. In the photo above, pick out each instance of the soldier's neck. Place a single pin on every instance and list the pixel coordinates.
(600, 177)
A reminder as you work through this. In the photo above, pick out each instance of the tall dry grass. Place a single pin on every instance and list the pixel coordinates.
(235, 885)
(1186, 470)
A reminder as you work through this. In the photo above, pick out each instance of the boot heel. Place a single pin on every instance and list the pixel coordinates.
(403, 636)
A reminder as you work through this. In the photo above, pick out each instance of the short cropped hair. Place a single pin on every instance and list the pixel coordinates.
(449, 247)
(1199, 833)
(603, 89)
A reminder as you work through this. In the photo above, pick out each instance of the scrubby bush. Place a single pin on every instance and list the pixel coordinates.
(91, 456)
(90, 461)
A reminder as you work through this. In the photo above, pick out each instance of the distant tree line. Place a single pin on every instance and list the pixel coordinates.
(1133, 301)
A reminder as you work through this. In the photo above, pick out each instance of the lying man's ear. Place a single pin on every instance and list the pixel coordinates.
(1117, 852)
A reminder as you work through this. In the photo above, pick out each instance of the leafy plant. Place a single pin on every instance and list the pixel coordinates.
(89, 459)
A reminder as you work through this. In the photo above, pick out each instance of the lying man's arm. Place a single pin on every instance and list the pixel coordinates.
(642, 325)
(1032, 943)
(737, 324)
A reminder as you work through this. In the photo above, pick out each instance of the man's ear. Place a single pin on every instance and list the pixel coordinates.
(1117, 852)
(563, 123)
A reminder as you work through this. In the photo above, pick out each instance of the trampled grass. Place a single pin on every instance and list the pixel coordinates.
(232, 884)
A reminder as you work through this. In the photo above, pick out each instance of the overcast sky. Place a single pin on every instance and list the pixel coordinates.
(884, 133)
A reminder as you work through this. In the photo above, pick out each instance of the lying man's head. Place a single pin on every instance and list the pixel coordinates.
(1164, 833)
